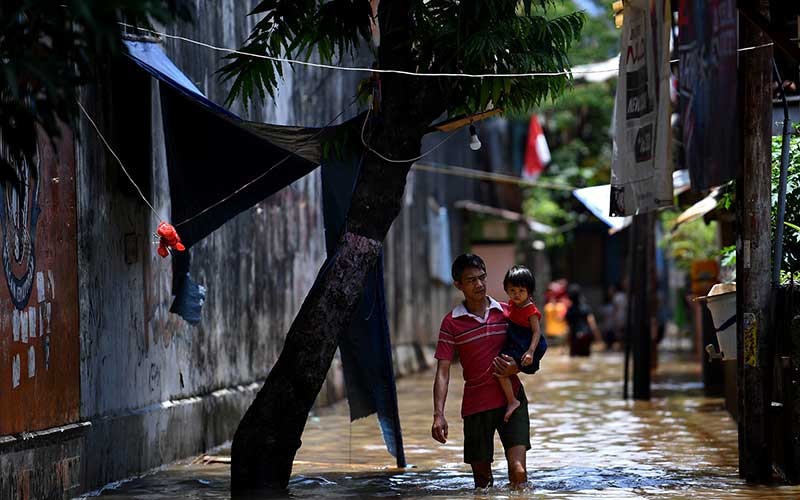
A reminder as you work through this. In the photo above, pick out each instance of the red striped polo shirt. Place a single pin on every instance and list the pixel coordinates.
(478, 341)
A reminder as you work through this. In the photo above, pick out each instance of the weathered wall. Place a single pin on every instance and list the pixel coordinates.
(154, 388)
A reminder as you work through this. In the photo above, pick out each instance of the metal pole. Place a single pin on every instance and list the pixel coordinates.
(787, 137)
(643, 298)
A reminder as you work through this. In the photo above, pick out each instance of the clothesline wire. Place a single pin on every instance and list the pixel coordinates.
(743, 49)
(397, 71)
(125, 170)
(444, 169)
(368, 70)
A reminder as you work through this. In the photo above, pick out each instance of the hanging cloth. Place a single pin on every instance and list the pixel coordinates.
(365, 347)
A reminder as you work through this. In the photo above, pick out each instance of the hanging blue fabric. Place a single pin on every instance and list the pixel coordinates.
(366, 346)
(439, 252)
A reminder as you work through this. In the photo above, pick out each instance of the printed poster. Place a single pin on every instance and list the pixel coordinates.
(641, 170)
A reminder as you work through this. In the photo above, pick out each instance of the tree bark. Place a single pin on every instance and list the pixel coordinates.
(268, 436)
(642, 298)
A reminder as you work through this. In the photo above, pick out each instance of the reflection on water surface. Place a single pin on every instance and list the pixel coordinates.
(587, 443)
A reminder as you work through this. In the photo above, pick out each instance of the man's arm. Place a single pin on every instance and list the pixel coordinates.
(593, 326)
(442, 380)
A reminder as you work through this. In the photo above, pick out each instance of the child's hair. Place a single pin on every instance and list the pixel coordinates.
(464, 261)
(520, 276)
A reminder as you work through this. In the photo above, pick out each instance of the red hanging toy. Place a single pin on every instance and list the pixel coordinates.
(168, 239)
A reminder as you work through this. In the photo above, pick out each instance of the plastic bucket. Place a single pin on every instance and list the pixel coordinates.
(723, 308)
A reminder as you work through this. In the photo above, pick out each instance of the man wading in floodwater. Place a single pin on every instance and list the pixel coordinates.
(476, 329)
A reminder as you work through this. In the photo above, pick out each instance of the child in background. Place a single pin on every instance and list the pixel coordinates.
(525, 342)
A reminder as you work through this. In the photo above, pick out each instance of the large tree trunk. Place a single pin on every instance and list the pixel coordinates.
(268, 436)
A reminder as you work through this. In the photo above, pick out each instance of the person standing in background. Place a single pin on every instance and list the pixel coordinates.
(582, 325)
(555, 312)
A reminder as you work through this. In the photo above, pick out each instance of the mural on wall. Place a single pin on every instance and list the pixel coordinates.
(39, 344)
(18, 220)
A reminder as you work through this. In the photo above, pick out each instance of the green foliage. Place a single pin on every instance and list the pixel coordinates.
(580, 142)
(728, 256)
(548, 207)
(445, 36)
(578, 126)
(728, 198)
(691, 241)
(582, 145)
(294, 29)
(49, 49)
(495, 37)
(791, 233)
(599, 38)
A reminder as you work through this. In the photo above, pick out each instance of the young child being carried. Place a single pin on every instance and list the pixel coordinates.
(525, 342)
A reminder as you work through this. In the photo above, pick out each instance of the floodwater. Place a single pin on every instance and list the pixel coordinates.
(587, 443)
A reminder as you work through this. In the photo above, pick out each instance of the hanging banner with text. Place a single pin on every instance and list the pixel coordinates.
(707, 43)
(641, 171)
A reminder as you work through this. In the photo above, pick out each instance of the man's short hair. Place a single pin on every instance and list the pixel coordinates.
(520, 276)
(464, 261)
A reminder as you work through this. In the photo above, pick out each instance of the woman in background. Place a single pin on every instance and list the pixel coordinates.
(582, 325)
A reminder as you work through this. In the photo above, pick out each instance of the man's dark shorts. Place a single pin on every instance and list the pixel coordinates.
(479, 430)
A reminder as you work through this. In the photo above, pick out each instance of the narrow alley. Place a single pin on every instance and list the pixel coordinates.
(587, 443)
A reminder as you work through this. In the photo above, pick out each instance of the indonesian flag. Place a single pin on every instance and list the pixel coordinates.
(537, 154)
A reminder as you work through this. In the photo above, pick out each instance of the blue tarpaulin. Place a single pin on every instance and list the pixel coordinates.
(152, 58)
(206, 179)
(440, 256)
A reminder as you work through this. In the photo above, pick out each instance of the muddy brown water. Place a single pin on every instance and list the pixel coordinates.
(587, 443)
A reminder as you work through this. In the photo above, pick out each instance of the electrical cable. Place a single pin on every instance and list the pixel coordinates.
(125, 170)
(396, 71)
(384, 158)
(488, 176)
(369, 70)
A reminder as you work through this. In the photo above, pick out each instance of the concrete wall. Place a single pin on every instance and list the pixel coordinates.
(154, 388)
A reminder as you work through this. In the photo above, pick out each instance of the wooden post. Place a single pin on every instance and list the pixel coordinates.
(641, 296)
(754, 250)
(629, 309)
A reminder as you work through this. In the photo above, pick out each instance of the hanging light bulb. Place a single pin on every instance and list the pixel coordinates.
(474, 142)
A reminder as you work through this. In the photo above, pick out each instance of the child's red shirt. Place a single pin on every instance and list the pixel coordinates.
(521, 315)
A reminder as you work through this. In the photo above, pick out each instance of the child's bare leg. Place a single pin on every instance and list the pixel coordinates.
(513, 402)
